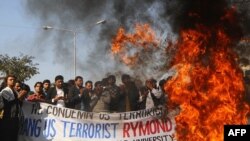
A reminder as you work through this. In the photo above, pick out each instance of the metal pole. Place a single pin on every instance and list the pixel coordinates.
(75, 34)
(74, 54)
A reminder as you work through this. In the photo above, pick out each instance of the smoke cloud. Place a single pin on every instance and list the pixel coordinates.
(167, 18)
(94, 42)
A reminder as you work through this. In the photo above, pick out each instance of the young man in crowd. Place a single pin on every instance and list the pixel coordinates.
(18, 86)
(143, 93)
(9, 111)
(129, 94)
(57, 95)
(38, 95)
(100, 100)
(46, 86)
(154, 94)
(23, 94)
(84, 97)
(115, 94)
(74, 91)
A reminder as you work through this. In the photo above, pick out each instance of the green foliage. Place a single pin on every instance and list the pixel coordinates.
(22, 67)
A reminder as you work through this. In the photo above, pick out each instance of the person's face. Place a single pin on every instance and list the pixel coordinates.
(79, 82)
(99, 87)
(111, 81)
(17, 87)
(46, 86)
(125, 81)
(38, 88)
(59, 83)
(88, 86)
(11, 82)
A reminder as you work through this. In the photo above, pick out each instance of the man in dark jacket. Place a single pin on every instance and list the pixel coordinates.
(57, 95)
(74, 91)
(115, 94)
(130, 94)
(9, 111)
(84, 97)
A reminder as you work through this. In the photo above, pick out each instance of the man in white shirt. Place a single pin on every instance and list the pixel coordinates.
(56, 95)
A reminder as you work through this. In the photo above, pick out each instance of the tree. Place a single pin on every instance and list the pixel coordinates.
(22, 67)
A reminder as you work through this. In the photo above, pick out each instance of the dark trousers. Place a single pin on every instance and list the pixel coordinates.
(9, 129)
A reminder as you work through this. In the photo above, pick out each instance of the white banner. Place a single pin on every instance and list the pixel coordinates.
(44, 122)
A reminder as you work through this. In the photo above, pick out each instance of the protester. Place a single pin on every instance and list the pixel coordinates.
(46, 86)
(129, 94)
(18, 86)
(9, 111)
(164, 96)
(57, 95)
(154, 94)
(143, 93)
(23, 94)
(100, 101)
(84, 97)
(70, 84)
(74, 91)
(115, 94)
(38, 95)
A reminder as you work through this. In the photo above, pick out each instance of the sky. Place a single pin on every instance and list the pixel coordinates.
(17, 31)
(19, 36)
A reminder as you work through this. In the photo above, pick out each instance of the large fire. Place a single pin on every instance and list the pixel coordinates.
(209, 87)
(129, 46)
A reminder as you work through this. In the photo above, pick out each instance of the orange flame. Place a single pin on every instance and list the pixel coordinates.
(209, 85)
(144, 38)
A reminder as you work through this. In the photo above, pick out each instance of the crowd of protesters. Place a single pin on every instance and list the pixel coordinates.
(102, 96)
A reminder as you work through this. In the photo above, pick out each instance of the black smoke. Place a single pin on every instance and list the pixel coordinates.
(167, 17)
(94, 55)
(186, 14)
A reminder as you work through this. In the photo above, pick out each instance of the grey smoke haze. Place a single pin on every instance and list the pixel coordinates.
(166, 17)
(94, 41)
(244, 14)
